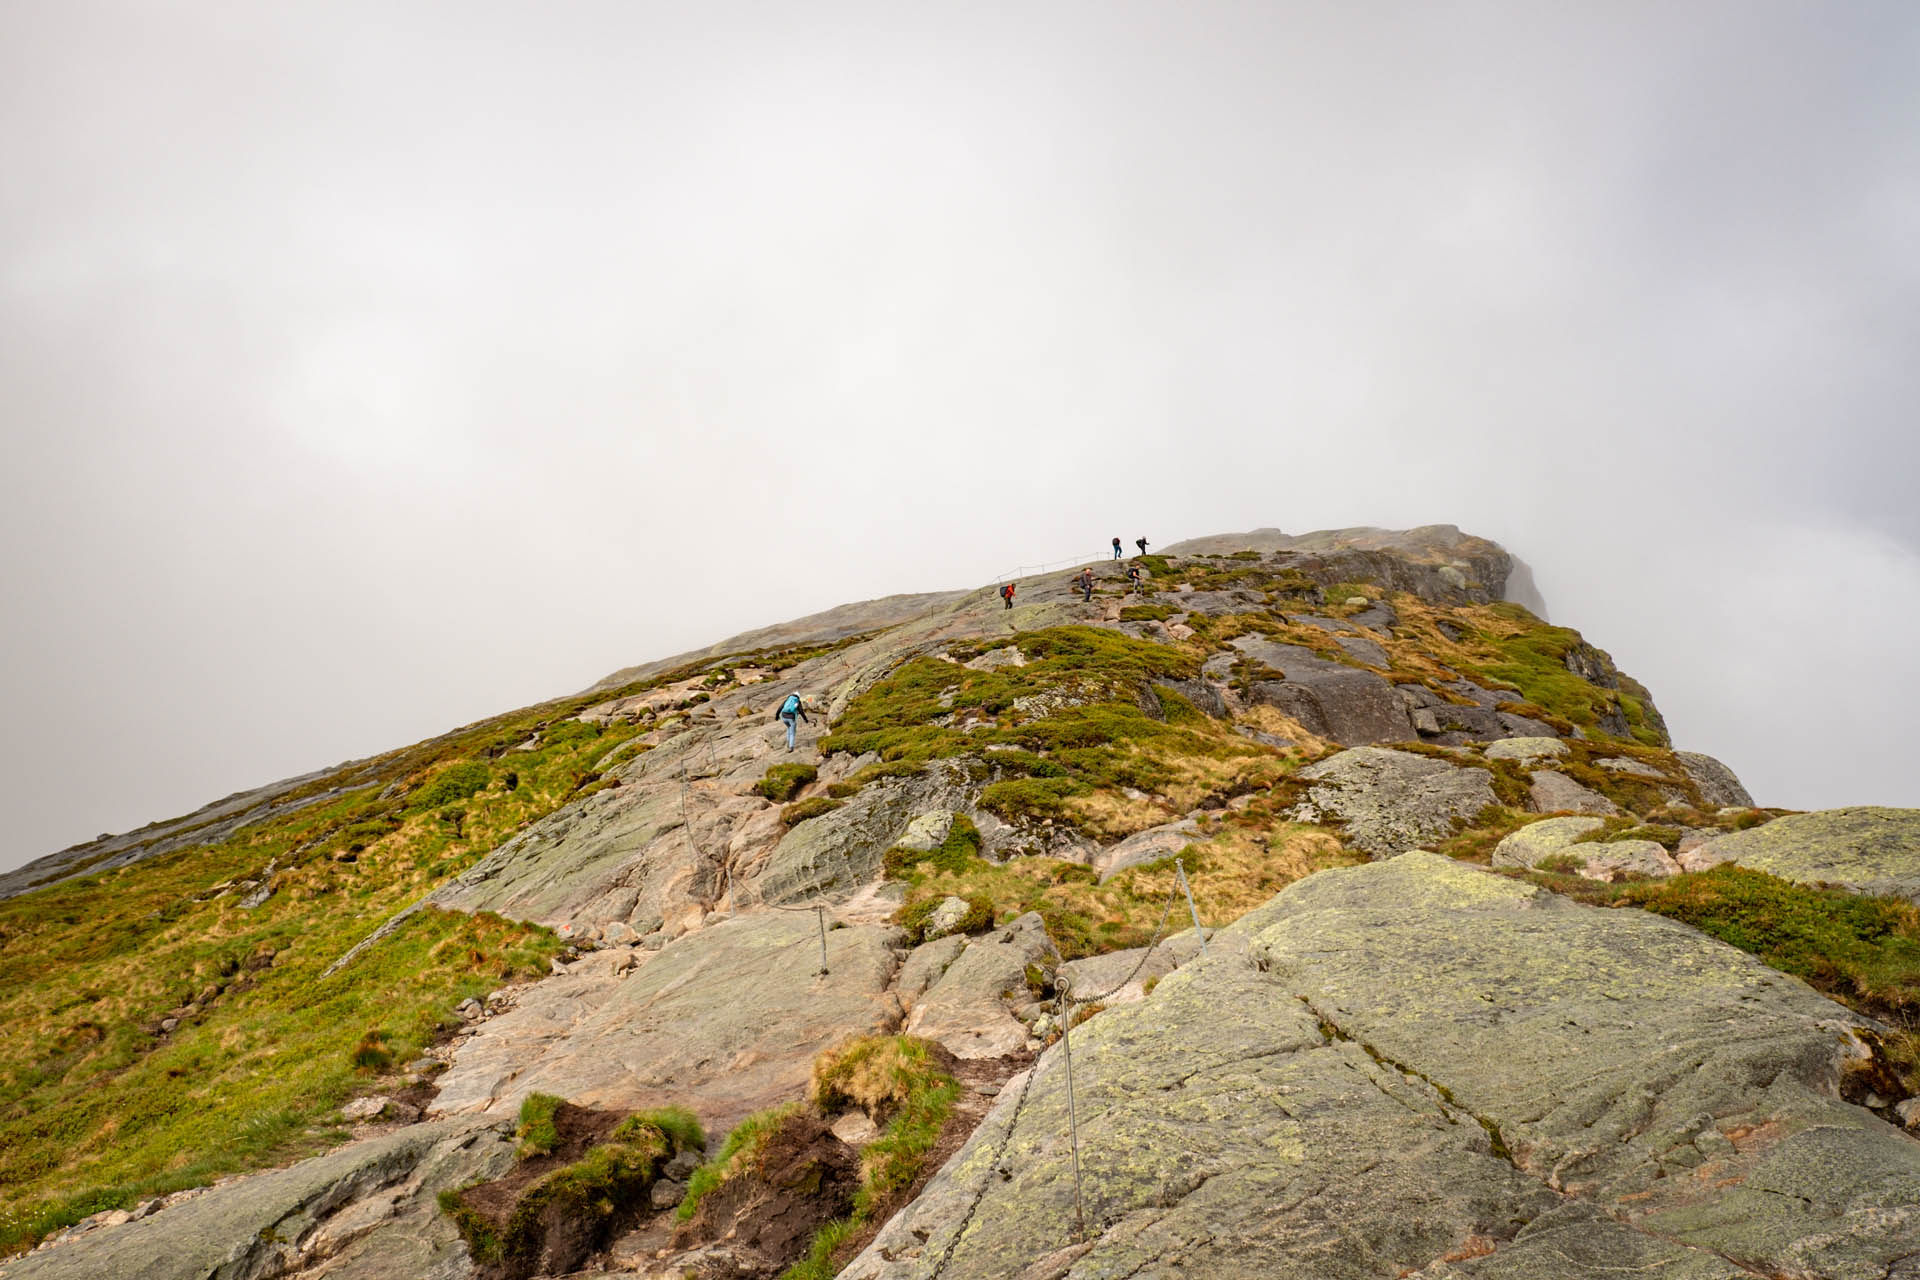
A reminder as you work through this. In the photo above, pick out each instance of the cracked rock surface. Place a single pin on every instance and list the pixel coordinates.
(1416, 1068)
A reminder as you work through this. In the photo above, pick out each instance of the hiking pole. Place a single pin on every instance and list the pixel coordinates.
(821, 912)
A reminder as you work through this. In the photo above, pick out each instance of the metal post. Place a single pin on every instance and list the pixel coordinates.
(821, 913)
(1073, 1120)
(1180, 869)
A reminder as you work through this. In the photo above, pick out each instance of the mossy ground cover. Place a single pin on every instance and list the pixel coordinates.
(99, 1106)
(1062, 729)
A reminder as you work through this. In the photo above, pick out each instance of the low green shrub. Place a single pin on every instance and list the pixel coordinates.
(455, 782)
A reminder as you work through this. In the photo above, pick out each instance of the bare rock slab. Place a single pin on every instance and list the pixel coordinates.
(725, 1021)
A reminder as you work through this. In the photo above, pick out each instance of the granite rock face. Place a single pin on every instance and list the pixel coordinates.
(1419, 1068)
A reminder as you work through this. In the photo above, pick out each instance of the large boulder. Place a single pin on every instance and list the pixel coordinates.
(1146, 846)
(1418, 1068)
(1525, 751)
(1719, 786)
(1537, 841)
(1340, 703)
(1550, 791)
(1866, 849)
(1393, 801)
(835, 853)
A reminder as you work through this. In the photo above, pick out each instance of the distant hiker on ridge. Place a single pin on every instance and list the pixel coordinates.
(1142, 544)
(1116, 548)
(1085, 583)
(792, 712)
(1006, 593)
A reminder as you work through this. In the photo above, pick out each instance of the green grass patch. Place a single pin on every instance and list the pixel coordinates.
(783, 781)
(537, 1133)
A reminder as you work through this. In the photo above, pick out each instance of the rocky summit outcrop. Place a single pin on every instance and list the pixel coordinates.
(1418, 1069)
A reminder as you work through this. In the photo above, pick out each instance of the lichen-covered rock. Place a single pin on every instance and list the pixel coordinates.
(1623, 859)
(1866, 849)
(1526, 750)
(1550, 791)
(1538, 841)
(1719, 786)
(947, 915)
(1392, 801)
(1418, 1068)
(927, 831)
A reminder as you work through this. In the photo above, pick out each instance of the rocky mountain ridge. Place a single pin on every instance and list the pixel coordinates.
(1397, 1032)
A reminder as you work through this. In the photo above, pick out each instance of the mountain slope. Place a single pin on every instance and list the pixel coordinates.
(1269, 709)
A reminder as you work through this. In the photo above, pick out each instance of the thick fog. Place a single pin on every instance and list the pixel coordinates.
(366, 369)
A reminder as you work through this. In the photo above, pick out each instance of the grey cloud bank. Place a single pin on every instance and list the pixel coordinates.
(365, 370)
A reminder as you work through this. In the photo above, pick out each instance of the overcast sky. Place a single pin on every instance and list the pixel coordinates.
(366, 369)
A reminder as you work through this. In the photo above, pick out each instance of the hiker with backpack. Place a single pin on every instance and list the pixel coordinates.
(1116, 548)
(1142, 544)
(792, 712)
(1133, 577)
(1085, 583)
(1006, 593)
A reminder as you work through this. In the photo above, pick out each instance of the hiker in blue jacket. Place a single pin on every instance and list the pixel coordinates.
(792, 712)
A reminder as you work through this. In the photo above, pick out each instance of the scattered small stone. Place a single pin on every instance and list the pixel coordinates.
(681, 1167)
(667, 1193)
(470, 1009)
(367, 1109)
(1908, 1113)
(167, 1025)
(856, 1129)
(988, 1091)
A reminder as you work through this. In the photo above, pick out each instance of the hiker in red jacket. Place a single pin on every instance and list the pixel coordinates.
(1006, 593)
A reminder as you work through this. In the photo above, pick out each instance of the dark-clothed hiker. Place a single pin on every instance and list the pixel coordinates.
(1085, 583)
(1133, 577)
(1142, 544)
(791, 713)
(1116, 548)
(1006, 593)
